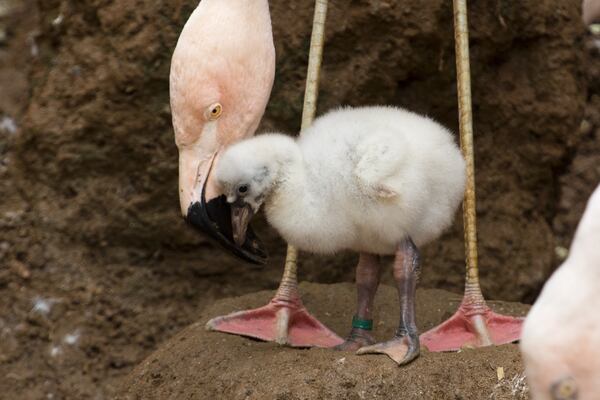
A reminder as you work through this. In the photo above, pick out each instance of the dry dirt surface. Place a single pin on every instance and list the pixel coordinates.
(197, 364)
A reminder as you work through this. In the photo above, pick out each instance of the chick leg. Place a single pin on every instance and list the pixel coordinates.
(367, 281)
(404, 347)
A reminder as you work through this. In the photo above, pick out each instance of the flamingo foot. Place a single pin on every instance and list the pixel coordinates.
(401, 349)
(287, 323)
(473, 327)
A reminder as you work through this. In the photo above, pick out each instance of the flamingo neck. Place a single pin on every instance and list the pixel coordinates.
(585, 250)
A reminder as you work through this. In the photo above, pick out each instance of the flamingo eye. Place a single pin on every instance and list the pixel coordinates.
(565, 389)
(243, 189)
(214, 111)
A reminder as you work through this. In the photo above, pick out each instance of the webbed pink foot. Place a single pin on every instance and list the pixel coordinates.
(473, 326)
(284, 322)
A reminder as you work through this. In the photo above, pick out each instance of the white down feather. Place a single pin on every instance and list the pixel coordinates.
(358, 179)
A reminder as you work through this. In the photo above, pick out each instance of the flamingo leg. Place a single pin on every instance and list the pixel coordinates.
(284, 320)
(367, 281)
(404, 346)
(474, 324)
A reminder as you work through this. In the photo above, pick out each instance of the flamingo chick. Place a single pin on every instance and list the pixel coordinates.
(376, 180)
(560, 343)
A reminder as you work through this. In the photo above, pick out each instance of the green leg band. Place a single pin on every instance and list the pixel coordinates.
(366, 324)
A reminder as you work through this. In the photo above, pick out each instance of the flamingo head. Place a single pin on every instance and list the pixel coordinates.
(222, 73)
(560, 342)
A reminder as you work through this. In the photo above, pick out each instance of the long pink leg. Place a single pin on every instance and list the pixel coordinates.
(473, 325)
(367, 281)
(404, 346)
(284, 320)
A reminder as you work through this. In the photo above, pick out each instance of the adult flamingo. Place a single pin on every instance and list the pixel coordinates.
(560, 344)
(591, 11)
(222, 73)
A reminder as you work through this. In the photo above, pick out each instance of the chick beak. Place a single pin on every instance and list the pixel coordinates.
(212, 214)
(240, 217)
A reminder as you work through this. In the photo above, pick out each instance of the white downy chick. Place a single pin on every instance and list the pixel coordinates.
(360, 179)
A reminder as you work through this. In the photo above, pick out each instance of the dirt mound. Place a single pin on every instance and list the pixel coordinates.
(196, 364)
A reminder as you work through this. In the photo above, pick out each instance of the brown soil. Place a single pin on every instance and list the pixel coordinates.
(88, 201)
(196, 364)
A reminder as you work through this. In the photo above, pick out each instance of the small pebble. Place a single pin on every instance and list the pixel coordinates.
(585, 127)
(42, 306)
(34, 50)
(500, 373)
(7, 124)
(72, 338)
(58, 20)
(561, 252)
(20, 269)
(55, 351)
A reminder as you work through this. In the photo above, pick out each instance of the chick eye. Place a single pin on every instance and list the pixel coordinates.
(214, 111)
(243, 189)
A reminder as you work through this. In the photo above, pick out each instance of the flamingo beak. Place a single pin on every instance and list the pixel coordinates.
(208, 211)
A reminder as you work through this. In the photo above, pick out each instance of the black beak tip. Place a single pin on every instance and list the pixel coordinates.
(214, 219)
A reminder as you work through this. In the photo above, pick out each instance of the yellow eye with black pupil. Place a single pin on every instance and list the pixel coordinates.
(215, 111)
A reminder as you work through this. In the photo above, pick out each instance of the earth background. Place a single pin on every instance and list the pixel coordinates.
(97, 268)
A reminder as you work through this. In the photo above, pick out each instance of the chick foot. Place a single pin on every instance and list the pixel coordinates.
(401, 349)
(367, 280)
(356, 339)
(404, 347)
